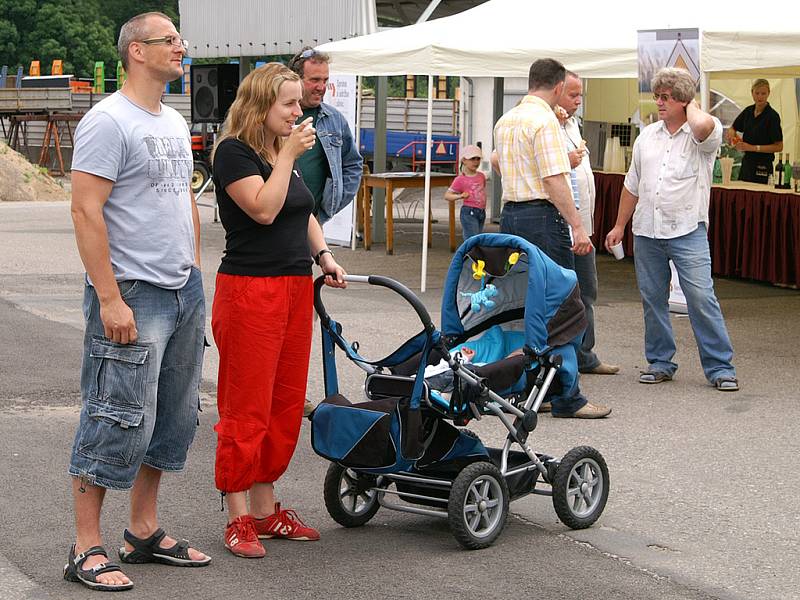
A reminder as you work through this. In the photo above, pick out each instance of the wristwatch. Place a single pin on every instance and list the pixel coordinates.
(319, 255)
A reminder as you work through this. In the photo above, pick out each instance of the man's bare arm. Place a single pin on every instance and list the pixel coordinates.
(700, 122)
(627, 204)
(89, 195)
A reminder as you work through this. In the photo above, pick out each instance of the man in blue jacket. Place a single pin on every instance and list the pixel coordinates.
(332, 168)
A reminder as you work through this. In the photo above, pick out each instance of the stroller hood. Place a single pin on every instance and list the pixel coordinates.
(528, 285)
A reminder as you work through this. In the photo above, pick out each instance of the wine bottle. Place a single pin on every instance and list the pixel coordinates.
(779, 173)
(787, 173)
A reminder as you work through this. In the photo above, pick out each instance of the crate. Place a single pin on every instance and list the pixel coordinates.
(29, 100)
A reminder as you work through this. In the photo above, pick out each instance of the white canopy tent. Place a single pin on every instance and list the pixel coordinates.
(501, 38)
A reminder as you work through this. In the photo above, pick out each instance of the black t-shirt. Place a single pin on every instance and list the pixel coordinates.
(250, 247)
(761, 130)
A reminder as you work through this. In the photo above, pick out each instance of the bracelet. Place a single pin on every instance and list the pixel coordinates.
(320, 253)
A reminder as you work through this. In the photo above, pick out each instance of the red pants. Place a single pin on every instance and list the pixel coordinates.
(262, 327)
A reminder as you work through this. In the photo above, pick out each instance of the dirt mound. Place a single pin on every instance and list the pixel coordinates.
(23, 181)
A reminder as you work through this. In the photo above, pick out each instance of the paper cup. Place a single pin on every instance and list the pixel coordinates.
(618, 251)
(726, 165)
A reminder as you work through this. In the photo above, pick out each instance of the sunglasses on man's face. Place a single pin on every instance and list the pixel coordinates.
(662, 97)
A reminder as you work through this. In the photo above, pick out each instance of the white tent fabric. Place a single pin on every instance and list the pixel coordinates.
(501, 38)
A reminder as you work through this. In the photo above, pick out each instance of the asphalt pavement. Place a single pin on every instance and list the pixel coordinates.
(702, 482)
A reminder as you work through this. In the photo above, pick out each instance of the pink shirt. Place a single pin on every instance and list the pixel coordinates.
(475, 186)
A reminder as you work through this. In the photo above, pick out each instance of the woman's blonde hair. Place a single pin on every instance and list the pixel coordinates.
(759, 83)
(246, 117)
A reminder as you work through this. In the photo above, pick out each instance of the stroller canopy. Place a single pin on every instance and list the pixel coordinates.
(528, 286)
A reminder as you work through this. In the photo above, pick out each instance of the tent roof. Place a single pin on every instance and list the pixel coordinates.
(501, 38)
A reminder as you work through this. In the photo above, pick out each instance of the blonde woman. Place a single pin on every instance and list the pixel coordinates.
(761, 137)
(261, 316)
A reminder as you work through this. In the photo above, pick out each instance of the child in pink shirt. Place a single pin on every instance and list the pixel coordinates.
(470, 186)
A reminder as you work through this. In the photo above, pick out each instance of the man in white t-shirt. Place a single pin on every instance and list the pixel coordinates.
(667, 191)
(138, 233)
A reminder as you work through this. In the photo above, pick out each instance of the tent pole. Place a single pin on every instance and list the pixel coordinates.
(705, 91)
(357, 141)
(427, 218)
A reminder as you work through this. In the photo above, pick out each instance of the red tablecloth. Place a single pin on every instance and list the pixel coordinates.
(754, 234)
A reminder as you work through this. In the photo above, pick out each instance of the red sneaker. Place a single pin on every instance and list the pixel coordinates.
(241, 538)
(285, 524)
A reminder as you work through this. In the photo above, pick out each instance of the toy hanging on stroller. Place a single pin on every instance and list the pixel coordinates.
(402, 440)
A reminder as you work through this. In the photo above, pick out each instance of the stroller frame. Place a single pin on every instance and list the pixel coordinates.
(472, 494)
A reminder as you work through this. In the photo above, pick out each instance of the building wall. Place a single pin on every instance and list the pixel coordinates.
(257, 28)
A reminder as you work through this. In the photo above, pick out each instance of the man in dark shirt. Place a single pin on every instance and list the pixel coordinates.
(332, 168)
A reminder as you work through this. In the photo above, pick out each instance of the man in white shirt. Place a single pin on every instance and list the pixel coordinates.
(667, 191)
(585, 268)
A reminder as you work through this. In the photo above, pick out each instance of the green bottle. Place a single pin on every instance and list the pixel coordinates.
(717, 173)
(787, 173)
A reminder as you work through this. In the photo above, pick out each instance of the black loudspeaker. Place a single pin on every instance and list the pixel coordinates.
(213, 91)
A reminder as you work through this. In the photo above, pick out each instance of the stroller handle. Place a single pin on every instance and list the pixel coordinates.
(379, 280)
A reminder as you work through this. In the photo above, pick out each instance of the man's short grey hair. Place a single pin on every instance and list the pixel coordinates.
(678, 82)
(307, 53)
(134, 30)
(572, 74)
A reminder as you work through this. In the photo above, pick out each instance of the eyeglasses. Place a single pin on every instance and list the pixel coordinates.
(172, 40)
(307, 53)
(662, 97)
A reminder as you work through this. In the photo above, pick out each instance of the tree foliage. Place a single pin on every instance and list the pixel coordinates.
(79, 32)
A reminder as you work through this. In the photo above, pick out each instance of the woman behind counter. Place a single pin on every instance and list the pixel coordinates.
(261, 316)
(761, 135)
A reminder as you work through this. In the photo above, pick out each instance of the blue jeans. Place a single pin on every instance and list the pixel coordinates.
(472, 220)
(540, 223)
(586, 270)
(140, 400)
(692, 259)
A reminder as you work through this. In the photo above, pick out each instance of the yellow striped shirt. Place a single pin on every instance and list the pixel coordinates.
(530, 147)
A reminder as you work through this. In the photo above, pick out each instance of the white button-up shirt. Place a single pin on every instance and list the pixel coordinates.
(671, 176)
(586, 189)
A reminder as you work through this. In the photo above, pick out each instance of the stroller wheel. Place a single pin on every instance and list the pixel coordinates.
(478, 505)
(580, 488)
(349, 496)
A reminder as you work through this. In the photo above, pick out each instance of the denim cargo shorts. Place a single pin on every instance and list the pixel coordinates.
(140, 400)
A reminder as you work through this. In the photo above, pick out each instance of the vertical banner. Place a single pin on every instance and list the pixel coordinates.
(341, 95)
(186, 80)
(121, 75)
(659, 48)
(99, 78)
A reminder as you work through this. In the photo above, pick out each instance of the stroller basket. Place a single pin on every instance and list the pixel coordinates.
(372, 434)
(385, 433)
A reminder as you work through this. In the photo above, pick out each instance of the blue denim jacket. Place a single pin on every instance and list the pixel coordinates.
(343, 159)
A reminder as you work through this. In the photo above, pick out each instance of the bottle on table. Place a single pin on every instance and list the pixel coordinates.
(787, 173)
(779, 173)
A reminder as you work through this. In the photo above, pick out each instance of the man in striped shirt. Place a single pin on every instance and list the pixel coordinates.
(535, 169)
(539, 205)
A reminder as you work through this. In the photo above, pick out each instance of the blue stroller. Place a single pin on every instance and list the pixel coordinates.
(406, 447)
